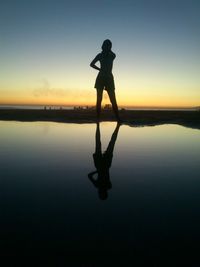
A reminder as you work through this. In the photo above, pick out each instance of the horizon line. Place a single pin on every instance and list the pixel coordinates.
(120, 106)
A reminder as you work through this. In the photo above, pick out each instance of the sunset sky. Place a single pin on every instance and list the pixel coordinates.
(46, 47)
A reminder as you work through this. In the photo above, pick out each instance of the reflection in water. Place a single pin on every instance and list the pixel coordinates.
(102, 162)
(47, 206)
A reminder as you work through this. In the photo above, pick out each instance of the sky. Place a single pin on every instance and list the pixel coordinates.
(46, 47)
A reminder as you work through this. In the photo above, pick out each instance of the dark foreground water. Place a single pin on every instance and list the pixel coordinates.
(139, 206)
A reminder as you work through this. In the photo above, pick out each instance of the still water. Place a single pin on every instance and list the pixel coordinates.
(139, 202)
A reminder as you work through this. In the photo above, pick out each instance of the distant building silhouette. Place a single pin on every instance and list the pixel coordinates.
(107, 107)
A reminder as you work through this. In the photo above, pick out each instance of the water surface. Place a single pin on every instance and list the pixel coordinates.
(149, 212)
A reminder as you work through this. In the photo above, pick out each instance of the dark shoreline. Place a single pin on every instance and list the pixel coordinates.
(130, 117)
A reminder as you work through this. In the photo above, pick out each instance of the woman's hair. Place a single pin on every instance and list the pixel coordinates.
(107, 45)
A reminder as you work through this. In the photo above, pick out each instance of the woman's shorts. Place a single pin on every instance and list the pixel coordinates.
(105, 81)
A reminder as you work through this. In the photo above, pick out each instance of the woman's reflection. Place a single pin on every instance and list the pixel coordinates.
(102, 162)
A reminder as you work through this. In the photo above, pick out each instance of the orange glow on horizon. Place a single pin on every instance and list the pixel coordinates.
(85, 97)
(92, 102)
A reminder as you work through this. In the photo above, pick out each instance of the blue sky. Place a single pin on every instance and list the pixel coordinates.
(51, 43)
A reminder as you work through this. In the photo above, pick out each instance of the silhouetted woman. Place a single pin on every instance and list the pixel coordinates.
(102, 162)
(105, 78)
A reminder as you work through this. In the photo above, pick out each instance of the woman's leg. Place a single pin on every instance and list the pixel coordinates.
(99, 99)
(113, 101)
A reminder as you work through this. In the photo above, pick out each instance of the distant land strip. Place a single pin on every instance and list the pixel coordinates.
(132, 118)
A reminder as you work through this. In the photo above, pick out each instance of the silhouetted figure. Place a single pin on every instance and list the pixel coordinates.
(103, 163)
(105, 79)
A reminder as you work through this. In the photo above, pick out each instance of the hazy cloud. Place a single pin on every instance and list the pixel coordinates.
(45, 90)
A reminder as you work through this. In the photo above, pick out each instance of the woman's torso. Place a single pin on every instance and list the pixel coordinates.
(106, 62)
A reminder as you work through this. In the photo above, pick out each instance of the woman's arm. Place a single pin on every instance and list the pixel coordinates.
(90, 176)
(92, 64)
